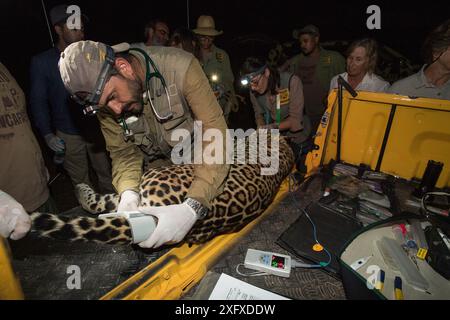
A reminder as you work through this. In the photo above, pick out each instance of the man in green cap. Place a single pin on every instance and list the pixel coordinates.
(316, 67)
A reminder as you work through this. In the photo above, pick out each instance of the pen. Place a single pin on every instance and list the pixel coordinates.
(380, 280)
(398, 288)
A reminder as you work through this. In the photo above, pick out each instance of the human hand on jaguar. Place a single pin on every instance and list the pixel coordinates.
(14, 220)
(174, 223)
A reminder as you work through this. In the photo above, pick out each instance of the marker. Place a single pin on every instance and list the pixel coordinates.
(278, 110)
(380, 280)
(398, 288)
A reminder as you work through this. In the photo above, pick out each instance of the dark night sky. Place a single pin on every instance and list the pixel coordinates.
(404, 23)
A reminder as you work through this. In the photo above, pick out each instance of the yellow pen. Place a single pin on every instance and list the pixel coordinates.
(380, 280)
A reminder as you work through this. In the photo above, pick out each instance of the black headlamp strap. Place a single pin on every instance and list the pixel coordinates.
(91, 102)
(257, 72)
(103, 77)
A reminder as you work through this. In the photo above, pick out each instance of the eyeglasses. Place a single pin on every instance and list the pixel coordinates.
(202, 37)
(255, 80)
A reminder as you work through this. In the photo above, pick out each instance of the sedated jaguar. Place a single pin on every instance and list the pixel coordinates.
(246, 194)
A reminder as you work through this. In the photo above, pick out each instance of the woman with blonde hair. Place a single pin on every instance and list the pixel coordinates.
(361, 62)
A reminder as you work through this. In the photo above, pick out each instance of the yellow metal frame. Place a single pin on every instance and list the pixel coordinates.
(175, 273)
(9, 284)
(420, 132)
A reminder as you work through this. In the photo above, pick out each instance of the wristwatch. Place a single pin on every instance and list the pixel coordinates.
(200, 210)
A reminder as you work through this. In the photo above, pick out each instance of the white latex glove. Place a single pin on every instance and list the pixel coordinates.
(14, 221)
(174, 222)
(129, 201)
(54, 142)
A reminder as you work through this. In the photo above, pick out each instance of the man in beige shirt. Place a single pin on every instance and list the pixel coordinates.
(23, 174)
(142, 96)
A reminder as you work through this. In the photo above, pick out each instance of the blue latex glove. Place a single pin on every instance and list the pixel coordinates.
(54, 142)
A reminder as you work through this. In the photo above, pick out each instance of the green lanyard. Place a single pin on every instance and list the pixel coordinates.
(268, 117)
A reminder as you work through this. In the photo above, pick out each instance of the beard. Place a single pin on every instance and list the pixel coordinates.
(158, 42)
(136, 104)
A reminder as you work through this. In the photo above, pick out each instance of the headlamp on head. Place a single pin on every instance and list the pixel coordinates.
(248, 78)
(91, 102)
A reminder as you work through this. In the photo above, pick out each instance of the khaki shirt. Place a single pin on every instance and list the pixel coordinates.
(127, 158)
(218, 63)
(316, 74)
(330, 63)
(23, 174)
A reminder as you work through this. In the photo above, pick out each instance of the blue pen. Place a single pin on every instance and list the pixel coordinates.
(398, 288)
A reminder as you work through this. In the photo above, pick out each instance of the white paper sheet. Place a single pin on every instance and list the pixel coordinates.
(229, 288)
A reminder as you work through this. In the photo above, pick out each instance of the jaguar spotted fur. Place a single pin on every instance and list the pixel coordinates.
(245, 196)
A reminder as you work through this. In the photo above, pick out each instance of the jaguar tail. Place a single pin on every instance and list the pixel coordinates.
(108, 230)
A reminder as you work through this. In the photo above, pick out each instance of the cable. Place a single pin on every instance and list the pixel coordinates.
(437, 211)
(295, 263)
(321, 264)
(252, 274)
(48, 24)
(299, 264)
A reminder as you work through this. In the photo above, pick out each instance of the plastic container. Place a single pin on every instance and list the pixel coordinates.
(58, 158)
(397, 259)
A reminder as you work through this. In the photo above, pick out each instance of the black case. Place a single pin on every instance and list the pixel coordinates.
(355, 286)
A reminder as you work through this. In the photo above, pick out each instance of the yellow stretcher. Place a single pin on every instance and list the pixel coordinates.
(390, 133)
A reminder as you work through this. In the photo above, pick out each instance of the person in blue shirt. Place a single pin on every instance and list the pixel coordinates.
(64, 128)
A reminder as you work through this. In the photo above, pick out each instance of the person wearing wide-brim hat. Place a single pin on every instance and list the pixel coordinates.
(206, 27)
(216, 64)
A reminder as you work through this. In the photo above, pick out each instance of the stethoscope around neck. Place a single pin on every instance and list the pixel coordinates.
(148, 76)
(129, 134)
